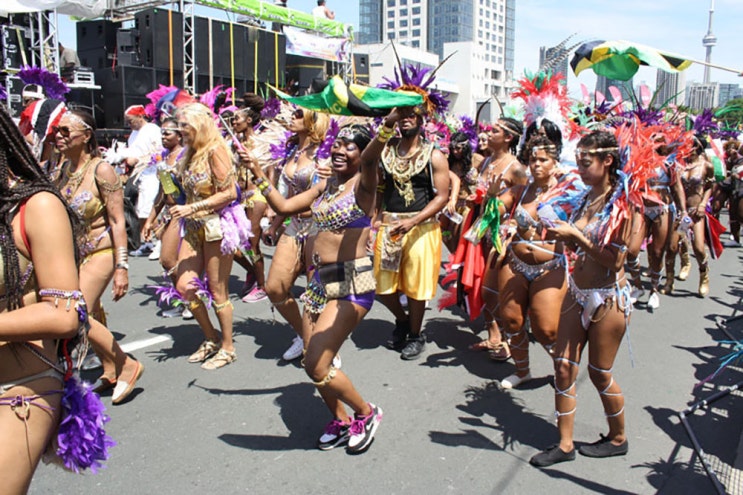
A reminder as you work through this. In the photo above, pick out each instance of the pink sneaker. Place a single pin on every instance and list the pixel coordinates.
(255, 295)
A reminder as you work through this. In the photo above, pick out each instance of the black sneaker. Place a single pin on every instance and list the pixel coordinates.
(334, 434)
(399, 335)
(551, 456)
(604, 448)
(361, 432)
(414, 348)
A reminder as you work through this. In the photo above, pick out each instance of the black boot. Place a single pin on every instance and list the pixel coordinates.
(414, 348)
(399, 335)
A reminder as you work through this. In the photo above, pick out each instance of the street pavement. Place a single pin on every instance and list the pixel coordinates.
(251, 427)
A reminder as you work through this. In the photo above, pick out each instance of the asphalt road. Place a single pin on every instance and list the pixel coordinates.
(251, 427)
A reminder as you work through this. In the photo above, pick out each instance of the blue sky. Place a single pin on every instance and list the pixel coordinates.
(672, 25)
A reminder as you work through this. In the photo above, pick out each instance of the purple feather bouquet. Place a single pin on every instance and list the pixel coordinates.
(53, 86)
(82, 442)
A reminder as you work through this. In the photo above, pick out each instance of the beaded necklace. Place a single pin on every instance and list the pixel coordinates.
(75, 179)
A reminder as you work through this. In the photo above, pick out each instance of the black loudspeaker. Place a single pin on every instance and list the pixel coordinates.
(162, 76)
(271, 57)
(15, 44)
(97, 35)
(220, 48)
(14, 88)
(96, 58)
(361, 67)
(241, 85)
(85, 99)
(303, 70)
(160, 38)
(127, 44)
(134, 81)
(113, 106)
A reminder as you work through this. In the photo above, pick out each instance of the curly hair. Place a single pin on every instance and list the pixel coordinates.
(540, 142)
(20, 178)
(552, 132)
(607, 143)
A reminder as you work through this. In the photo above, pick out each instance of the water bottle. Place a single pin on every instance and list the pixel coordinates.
(548, 215)
(453, 216)
(684, 225)
(166, 179)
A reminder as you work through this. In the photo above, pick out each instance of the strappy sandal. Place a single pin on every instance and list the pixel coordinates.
(483, 345)
(206, 350)
(499, 352)
(220, 359)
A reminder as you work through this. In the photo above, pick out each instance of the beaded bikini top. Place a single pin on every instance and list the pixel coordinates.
(333, 213)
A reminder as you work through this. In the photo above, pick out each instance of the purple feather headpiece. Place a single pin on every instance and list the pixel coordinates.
(323, 151)
(704, 125)
(648, 116)
(469, 129)
(417, 79)
(271, 108)
(53, 86)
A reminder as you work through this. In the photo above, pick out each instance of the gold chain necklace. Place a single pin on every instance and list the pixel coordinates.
(75, 179)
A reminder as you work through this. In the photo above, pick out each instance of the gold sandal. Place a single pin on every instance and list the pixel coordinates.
(220, 359)
(206, 350)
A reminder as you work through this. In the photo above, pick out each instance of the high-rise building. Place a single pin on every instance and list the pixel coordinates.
(431, 24)
(729, 92)
(625, 87)
(702, 95)
(553, 53)
(670, 87)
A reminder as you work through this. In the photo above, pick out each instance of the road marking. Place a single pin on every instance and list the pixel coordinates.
(141, 344)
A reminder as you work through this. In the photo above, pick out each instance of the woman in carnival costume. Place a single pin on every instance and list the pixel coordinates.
(214, 226)
(341, 284)
(43, 309)
(298, 165)
(498, 172)
(244, 121)
(653, 221)
(697, 176)
(168, 231)
(463, 167)
(91, 187)
(595, 311)
(531, 280)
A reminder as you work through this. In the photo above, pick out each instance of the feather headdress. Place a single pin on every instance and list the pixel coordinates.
(165, 99)
(417, 79)
(54, 87)
(545, 97)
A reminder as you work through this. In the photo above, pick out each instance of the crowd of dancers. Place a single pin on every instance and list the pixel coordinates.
(540, 209)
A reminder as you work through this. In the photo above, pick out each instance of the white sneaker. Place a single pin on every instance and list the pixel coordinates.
(654, 300)
(513, 381)
(187, 314)
(635, 294)
(155, 254)
(173, 312)
(295, 350)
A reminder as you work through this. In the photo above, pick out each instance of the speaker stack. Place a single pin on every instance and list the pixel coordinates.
(15, 42)
(301, 71)
(361, 67)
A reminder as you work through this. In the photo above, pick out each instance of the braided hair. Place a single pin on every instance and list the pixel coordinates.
(20, 178)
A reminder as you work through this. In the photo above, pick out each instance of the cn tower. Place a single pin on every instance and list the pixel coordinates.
(709, 41)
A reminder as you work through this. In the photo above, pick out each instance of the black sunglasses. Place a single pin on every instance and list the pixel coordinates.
(64, 131)
(168, 132)
(298, 113)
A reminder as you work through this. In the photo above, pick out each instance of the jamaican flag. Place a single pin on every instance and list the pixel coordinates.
(337, 98)
(621, 59)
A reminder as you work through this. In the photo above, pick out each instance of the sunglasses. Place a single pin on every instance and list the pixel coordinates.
(63, 130)
(168, 132)
(298, 114)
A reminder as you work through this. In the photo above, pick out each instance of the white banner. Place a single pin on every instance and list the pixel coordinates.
(299, 42)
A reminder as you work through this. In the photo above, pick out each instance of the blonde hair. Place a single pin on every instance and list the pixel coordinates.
(316, 124)
(207, 136)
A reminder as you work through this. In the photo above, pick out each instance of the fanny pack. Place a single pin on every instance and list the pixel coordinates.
(350, 277)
